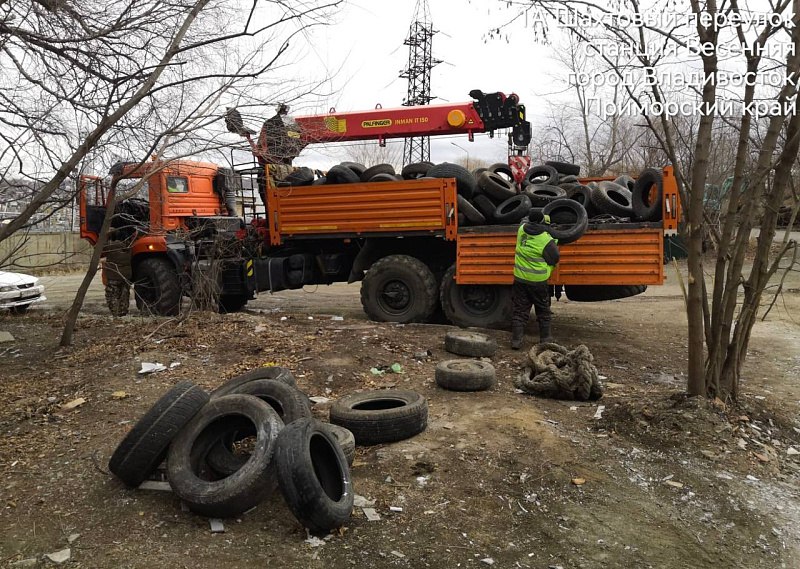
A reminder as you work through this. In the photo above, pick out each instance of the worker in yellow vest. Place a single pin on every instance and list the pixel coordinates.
(535, 256)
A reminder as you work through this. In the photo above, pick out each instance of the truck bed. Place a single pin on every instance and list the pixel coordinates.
(607, 254)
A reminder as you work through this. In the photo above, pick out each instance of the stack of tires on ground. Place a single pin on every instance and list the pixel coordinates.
(490, 196)
(467, 374)
(229, 450)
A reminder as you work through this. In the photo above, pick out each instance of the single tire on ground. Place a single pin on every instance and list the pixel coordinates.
(278, 373)
(465, 181)
(481, 306)
(145, 446)
(118, 297)
(568, 218)
(243, 489)
(468, 343)
(399, 288)
(648, 195)
(465, 375)
(542, 175)
(598, 293)
(157, 287)
(474, 217)
(346, 441)
(513, 209)
(314, 476)
(565, 168)
(495, 186)
(381, 416)
(367, 174)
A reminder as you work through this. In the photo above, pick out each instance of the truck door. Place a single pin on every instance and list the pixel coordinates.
(92, 195)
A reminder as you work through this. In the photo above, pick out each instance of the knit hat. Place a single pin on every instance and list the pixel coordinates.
(536, 216)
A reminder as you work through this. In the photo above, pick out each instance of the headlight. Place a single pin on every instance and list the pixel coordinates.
(7, 288)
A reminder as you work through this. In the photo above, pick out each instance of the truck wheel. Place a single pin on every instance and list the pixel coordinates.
(483, 306)
(399, 288)
(118, 297)
(232, 302)
(157, 287)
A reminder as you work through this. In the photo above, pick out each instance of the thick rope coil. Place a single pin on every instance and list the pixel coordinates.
(554, 372)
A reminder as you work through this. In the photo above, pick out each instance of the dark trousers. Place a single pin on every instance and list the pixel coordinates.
(525, 295)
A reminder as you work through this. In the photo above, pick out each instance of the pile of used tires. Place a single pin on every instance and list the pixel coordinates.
(490, 196)
(229, 450)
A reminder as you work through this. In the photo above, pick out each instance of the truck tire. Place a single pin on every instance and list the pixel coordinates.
(289, 403)
(356, 167)
(341, 175)
(495, 186)
(243, 489)
(416, 170)
(503, 170)
(118, 297)
(314, 476)
(470, 212)
(229, 303)
(277, 373)
(465, 375)
(465, 181)
(569, 213)
(564, 167)
(612, 198)
(145, 445)
(481, 306)
(485, 206)
(562, 179)
(597, 293)
(513, 209)
(625, 181)
(542, 175)
(472, 344)
(399, 288)
(157, 287)
(542, 194)
(346, 441)
(367, 174)
(385, 178)
(583, 195)
(381, 416)
(648, 195)
(302, 176)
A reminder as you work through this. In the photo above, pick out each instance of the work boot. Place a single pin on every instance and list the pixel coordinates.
(544, 333)
(517, 333)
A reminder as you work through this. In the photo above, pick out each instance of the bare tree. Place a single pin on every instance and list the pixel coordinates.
(697, 37)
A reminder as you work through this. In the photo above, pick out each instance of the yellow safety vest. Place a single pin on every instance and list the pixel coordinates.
(529, 265)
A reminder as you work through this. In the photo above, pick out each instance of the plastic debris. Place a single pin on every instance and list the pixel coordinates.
(6, 336)
(119, 395)
(151, 367)
(395, 509)
(791, 451)
(487, 561)
(362, 502)
(371, 514)
(397, 554)
(337, 318)
(599, 413)
(396, 368)
(73, 404)
(216, 525)
(578, 481)
(59, 557)
(314, 541)
(160, 485)
(673, 483)
(72, 537)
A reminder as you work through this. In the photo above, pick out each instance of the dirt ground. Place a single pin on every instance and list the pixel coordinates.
(670, 482)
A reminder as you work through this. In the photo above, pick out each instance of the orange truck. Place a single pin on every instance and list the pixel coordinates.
(401, 239)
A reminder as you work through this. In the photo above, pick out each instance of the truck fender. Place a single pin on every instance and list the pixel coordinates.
(368, 254)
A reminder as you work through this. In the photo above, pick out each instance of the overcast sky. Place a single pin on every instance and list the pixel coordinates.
(363, 51)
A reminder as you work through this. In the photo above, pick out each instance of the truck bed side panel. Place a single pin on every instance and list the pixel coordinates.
(360, 209)
(616, 256)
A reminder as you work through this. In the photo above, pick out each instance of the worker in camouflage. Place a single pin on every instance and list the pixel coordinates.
(535, 256)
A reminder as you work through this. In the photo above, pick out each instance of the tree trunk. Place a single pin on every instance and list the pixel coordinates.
(91, 271)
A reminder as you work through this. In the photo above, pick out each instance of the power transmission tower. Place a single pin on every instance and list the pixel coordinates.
(418, 73)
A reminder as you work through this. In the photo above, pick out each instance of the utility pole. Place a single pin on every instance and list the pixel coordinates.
(418, 73)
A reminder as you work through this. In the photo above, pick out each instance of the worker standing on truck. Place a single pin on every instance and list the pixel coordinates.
(535, 256)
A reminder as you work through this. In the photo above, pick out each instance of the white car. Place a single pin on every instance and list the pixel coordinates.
(18, 291)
